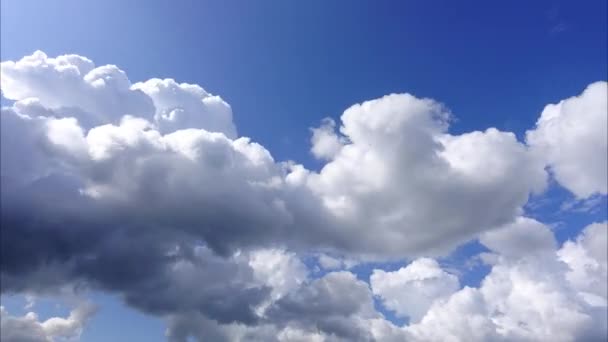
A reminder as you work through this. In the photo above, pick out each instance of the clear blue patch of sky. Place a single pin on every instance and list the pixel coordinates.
(115, 321)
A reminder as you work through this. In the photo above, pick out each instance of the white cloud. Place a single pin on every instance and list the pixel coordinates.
(183, 106)
(411, 290)
(28, 328)
(462, 317)
(281, 270)
(522, 237)
(163, 151)
(72, 83)
(420, 189)
(325, 142)
(588, 263)
(572, 137)
(527, 296)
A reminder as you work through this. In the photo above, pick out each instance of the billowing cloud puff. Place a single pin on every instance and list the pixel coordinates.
(28, 328)
(325, 143)
(183, 106)
(72, 86)
(146, 190)
(572, 136)
(588, 264)
(280, 270)
(411, 290)
(404, 184)
(528, 296)
(396, 183)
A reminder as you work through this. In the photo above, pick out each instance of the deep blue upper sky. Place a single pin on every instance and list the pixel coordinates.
(284, 65)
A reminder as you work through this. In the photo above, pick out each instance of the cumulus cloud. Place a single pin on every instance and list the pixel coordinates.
(175, 161)
(325, 143)
(183, 106)
(530, 296)
(411, 290)
(29, 328)
(572, 136)
(422, 189)
(523, 288)
(146, 190)
(587, 262)
(73, 83)
(536, 295)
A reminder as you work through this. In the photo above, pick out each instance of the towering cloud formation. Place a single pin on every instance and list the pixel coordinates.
(146, 190)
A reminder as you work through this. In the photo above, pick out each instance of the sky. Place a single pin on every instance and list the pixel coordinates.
(344, 170)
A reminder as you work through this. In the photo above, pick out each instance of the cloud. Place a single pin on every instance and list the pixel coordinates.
(183, 106)
(329, 263)
(572, 137)
(588, 264)
(173, 160)
(330, 304)
(333, 308)
(147, 191)
(463, 317)
(28, 328)
(521, 290)
(411, 290)
(522, 237)
(326, 144)
(422, 189)
(71, 84)
(528, 296)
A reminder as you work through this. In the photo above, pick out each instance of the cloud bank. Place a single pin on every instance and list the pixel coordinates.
(147, 190)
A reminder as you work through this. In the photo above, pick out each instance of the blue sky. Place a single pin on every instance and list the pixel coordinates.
(285, 65)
